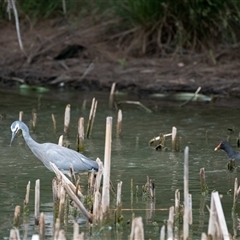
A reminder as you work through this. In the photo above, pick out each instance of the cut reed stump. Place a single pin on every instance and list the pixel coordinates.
(37, 202)
(14, 234)
(20, 115)
(204, 187)
(118, 211)
(91, 118)
(119, 122)
(111, 97)
(16, 217)
(80, 135)
(54, 123)
(137, 231)
(67, 118)
(235, 196)
(26, 200)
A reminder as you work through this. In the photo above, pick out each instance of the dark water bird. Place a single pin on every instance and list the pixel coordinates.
(224, 145)
(64, 158)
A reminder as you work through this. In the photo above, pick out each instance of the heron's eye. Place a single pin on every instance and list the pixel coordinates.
(16, 130)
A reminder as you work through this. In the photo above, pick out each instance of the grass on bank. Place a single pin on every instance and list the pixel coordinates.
(149, 26)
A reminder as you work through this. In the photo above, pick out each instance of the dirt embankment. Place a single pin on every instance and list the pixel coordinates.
(57, 53)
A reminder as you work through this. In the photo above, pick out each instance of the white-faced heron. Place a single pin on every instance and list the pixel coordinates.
(64, 158)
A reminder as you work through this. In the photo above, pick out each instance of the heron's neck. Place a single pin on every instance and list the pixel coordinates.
(28, 139)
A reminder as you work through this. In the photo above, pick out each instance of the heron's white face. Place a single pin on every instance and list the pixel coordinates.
(15, 127)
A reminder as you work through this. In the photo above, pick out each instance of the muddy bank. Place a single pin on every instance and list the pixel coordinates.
(59, 55)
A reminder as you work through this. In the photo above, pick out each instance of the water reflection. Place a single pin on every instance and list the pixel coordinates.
(200, 127)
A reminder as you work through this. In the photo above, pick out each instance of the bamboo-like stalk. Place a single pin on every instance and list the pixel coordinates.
(137, 231)
(111, 96)
(107, 167)
(80, 139)
(26, 200)
(42, 227)
(37, 201)
(67, 118)
(16, 217)
(190, 209)
(119, 122)
(54, 122)
(20, 116)
(170, 223)
(186, 202)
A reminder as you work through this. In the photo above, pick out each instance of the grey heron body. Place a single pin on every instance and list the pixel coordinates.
(64, 158)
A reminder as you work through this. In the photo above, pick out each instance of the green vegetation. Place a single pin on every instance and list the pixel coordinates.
(150, 26)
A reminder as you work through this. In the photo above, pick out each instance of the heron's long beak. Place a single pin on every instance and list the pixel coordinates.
(13, 135)
(217, 147)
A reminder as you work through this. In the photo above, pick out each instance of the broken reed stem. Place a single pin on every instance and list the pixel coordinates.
(16, 217)
(217, 227)
(204, 187)
(37, 201)
(93, 117)
(80, 139)
(174, 137)
(137, 231)
(119, 122)
(20, 116)
(136, 103)
(26, 200)
(54, 123)
(186, 202)
(67, 118)
(17, 26)
(107, 167)
(90, 118)
(189, 100)
(111, 97)
(42, 227)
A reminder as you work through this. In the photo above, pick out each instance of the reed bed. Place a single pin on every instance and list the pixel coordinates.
(101, 211)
